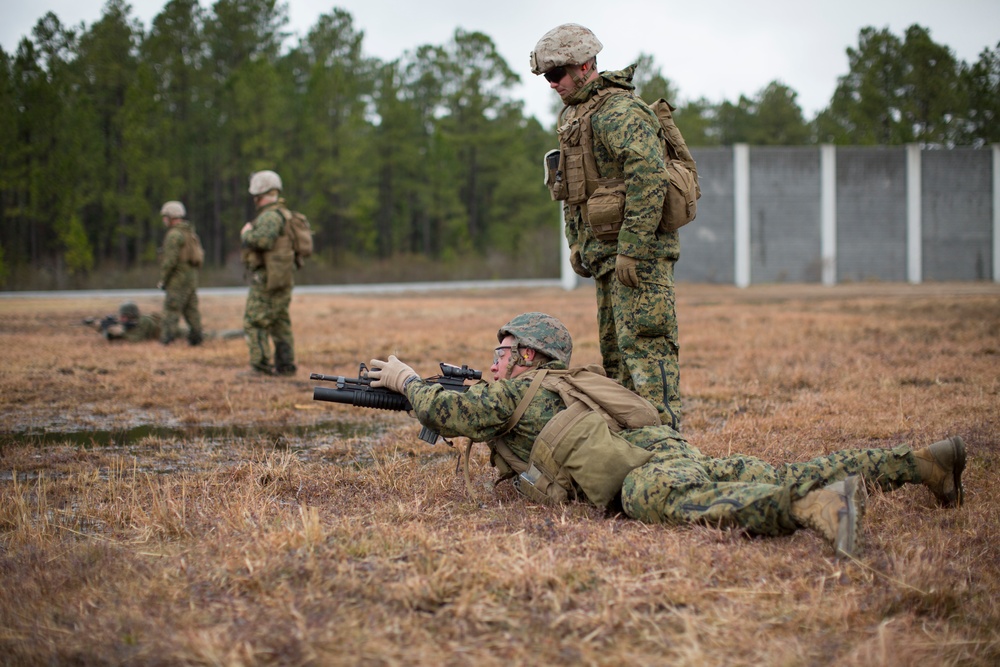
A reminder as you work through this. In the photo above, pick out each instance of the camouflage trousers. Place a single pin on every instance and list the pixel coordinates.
(681, 485)
(181, 300)
(638, 336)
(266, 318)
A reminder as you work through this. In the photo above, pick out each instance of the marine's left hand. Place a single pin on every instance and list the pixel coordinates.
(625, 270)
(390, 374)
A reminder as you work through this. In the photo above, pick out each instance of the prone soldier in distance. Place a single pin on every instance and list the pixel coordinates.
(129, 325)
(134, 327)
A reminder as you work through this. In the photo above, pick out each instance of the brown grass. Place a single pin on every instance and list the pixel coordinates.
(158, 508)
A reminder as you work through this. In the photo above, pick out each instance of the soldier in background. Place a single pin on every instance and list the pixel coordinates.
(633, 266)
(133, 327)
(182, 255)
(269, 258)
(129, 325)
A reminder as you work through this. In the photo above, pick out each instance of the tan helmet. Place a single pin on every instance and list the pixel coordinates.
(173, 209)
(262, 182)
(567, 44)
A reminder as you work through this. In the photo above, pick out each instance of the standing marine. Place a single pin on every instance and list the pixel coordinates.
(182, 256)
(612, 181)
(269, 257)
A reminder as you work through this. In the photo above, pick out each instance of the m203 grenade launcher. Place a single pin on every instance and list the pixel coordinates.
(359, 392)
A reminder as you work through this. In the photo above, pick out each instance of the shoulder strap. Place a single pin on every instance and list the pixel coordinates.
(536, 384)
(676, 146)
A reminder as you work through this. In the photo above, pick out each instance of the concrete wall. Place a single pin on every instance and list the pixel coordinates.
(861, 213)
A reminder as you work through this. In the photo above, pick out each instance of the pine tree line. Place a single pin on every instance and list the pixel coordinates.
(426, 158)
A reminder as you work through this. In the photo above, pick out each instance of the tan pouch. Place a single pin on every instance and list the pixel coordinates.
(681, 204)
(576, 183)
(280, 268)
(538, 486)
(606, 208)
(577, 446)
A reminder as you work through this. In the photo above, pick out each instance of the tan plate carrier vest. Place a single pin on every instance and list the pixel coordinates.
(579, 448)
(577, 180)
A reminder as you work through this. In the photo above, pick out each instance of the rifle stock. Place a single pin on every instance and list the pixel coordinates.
(359, 392)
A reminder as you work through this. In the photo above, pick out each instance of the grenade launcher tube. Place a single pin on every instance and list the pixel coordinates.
(359, 392)
(371, 398)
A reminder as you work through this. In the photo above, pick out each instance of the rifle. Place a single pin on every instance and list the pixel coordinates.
(101, 323)
(359, 392)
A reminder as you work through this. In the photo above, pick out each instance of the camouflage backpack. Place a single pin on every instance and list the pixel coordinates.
(192, 251)
(300, 232)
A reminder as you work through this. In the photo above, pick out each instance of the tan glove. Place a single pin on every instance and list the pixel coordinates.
(576, 260)
(390, 374)
(625, 270)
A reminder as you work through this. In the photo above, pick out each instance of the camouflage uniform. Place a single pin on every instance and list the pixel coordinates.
(637, 327)
(180, 281)
(266, 316)
(679, 484)
(146, 327)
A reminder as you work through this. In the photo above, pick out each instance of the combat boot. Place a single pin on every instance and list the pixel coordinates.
(835, 512)
(284, 359)
(940, 468)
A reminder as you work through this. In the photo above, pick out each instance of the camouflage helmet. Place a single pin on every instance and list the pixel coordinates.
(567, 44)
(173, 209)
(540, 332)
(262, 182)
(129, 309)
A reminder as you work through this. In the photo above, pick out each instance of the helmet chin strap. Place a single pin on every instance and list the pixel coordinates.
(517, 359)
(578, 77)
(580, 81)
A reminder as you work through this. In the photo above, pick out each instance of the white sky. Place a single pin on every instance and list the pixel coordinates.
(714, 49)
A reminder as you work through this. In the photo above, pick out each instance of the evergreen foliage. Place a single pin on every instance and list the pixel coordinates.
(426, 156)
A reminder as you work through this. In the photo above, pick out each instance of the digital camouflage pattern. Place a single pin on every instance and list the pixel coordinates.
(135, 329)
(679, 484)
(637, 327)
(540, 332)
(682, 485)
(637, 331)
(180, 282)
(481, 412)
(266, 317)
(567, 44)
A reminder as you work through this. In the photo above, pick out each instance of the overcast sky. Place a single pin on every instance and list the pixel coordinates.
(713, 49)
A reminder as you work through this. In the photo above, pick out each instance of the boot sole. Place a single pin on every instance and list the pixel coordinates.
(849, 542)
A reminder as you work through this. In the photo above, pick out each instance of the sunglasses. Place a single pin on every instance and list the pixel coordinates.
(555, 74)
(499, 352)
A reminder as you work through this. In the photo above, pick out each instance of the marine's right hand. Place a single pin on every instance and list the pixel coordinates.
(579, 268)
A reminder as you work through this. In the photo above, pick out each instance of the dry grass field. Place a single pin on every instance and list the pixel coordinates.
(159, 508)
